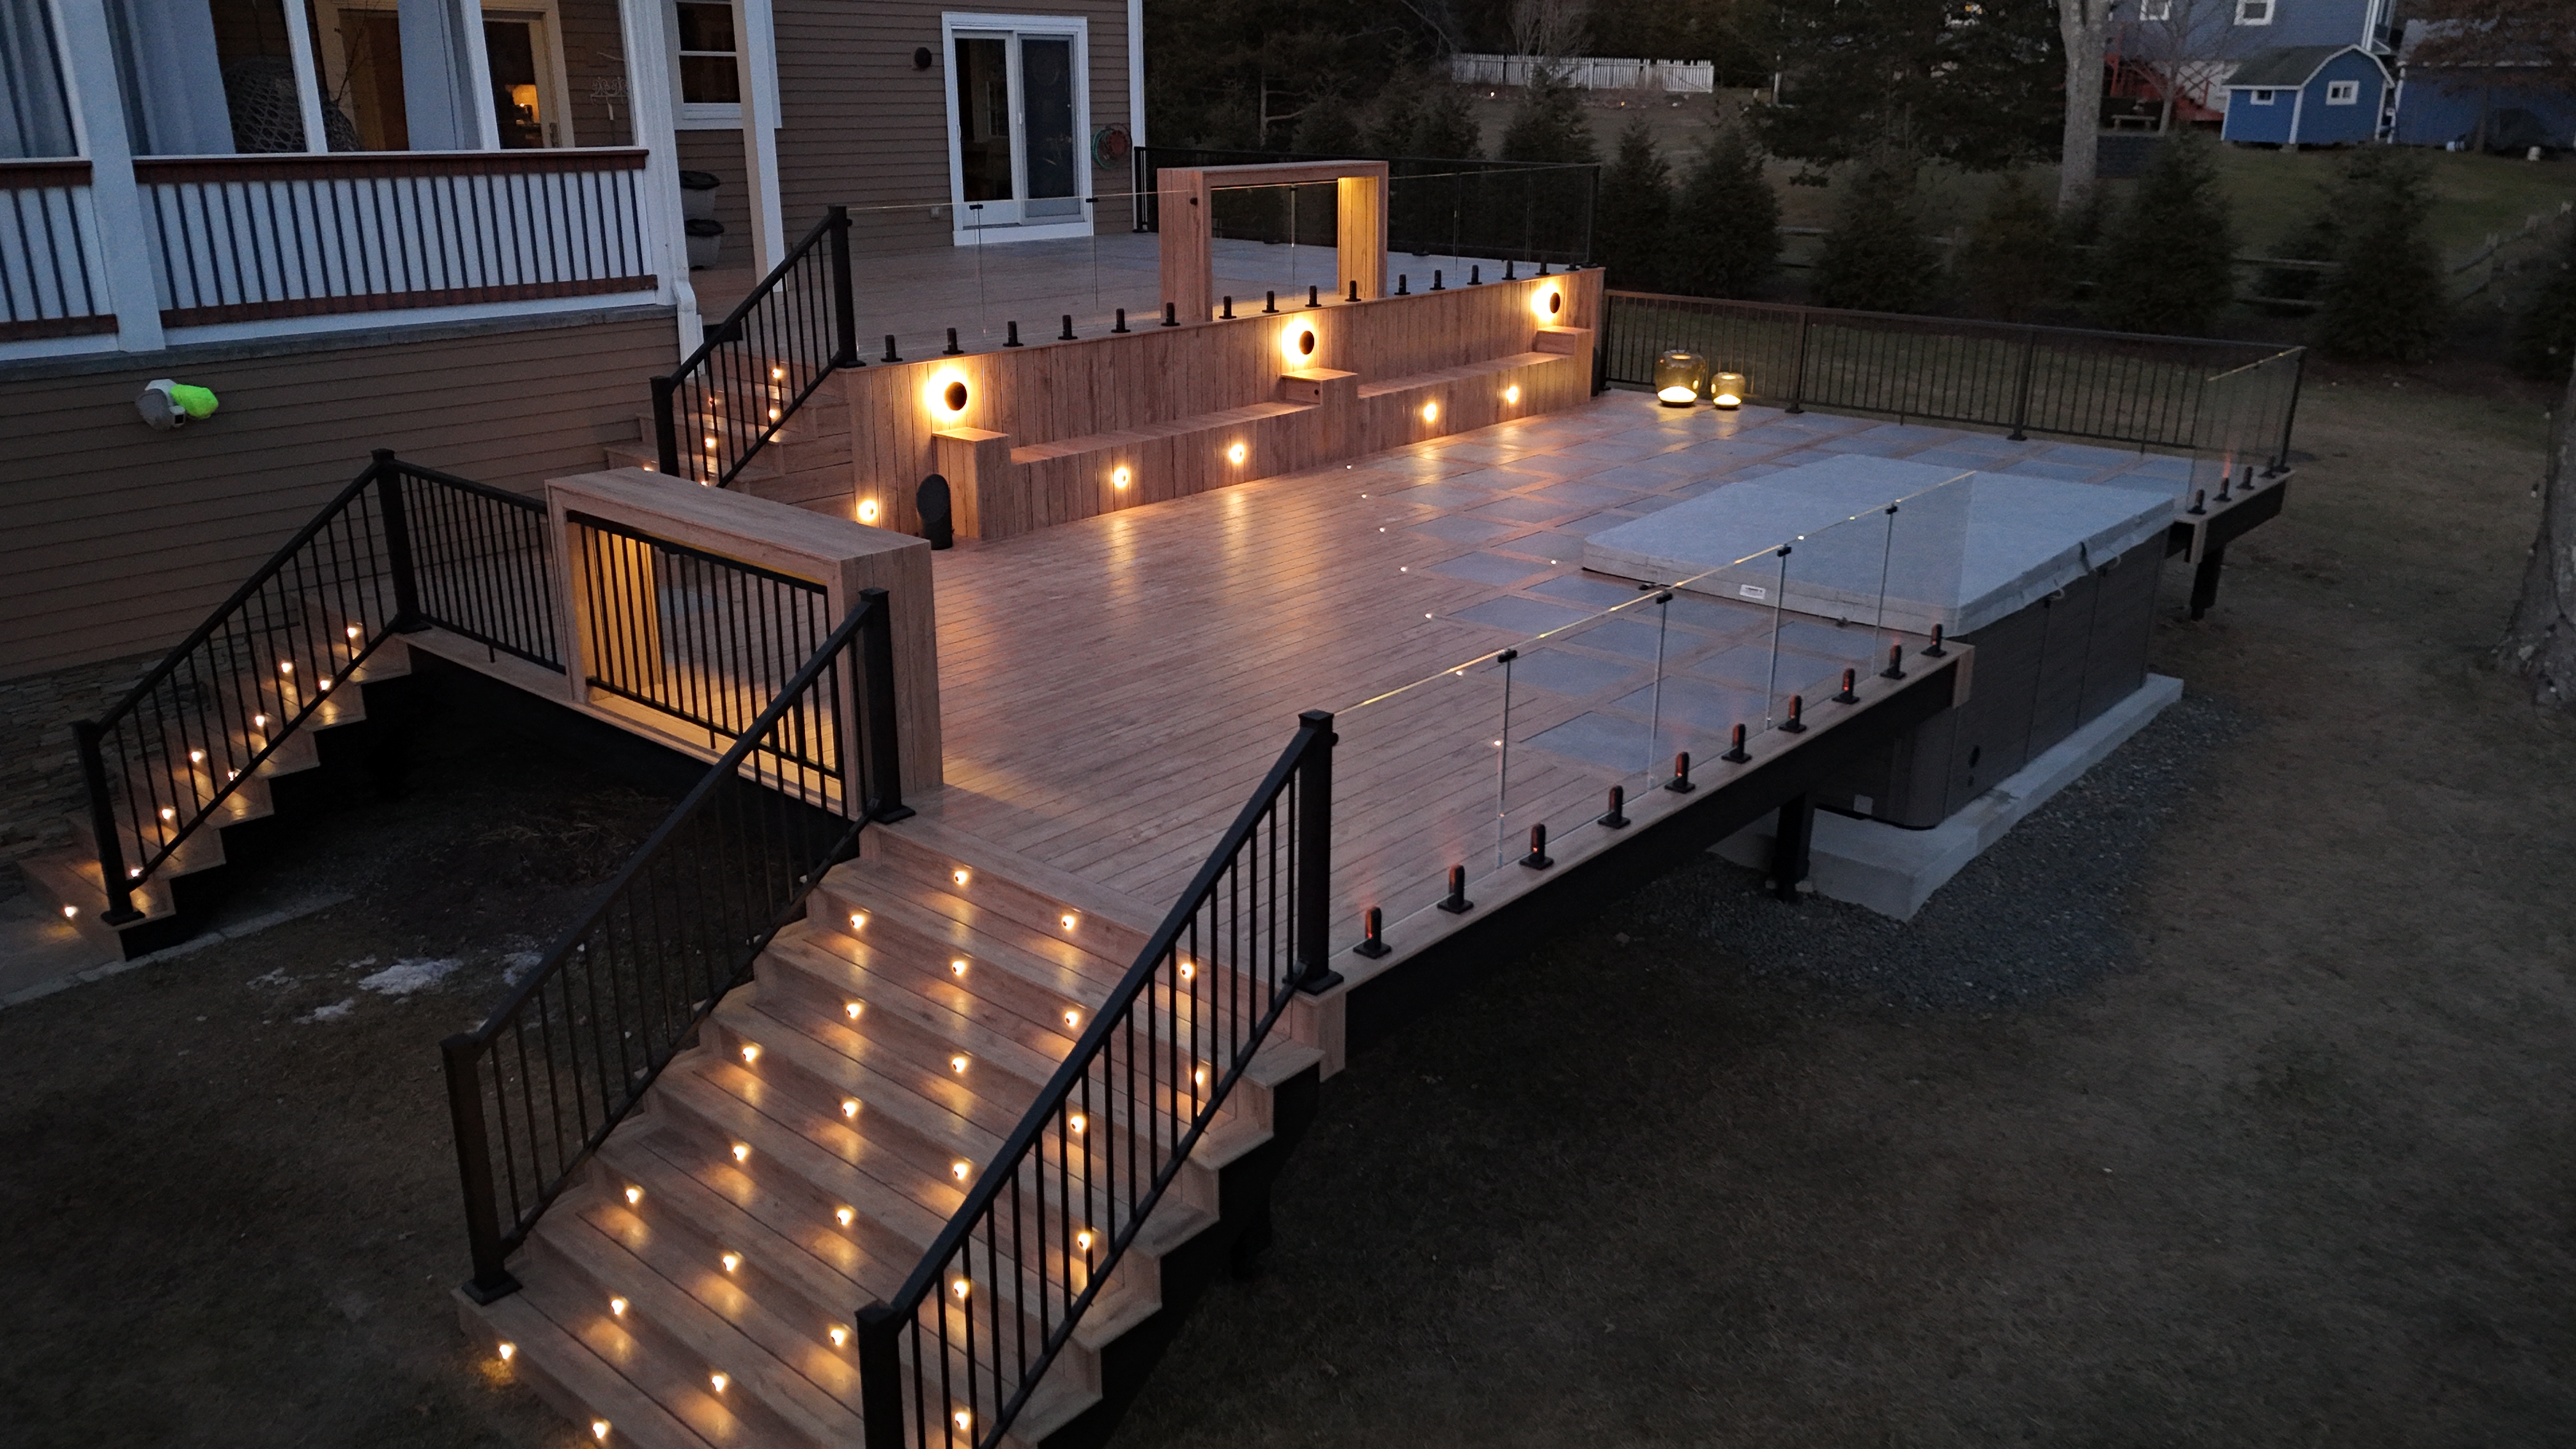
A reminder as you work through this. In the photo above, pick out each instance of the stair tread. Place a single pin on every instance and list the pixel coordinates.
(577, 1382)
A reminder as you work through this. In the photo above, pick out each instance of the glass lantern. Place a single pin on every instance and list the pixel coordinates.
(1727, 390)
(1678, 376)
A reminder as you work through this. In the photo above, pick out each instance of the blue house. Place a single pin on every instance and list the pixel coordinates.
(2195, 49)
(2306, 95)
(2478, 108)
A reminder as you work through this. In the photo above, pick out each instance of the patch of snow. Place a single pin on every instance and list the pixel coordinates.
(361, 964)
(519, 963)
(333, 1012)
(409, 974)
(277, 977)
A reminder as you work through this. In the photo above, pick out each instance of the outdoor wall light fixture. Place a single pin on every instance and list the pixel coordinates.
(1548, 303)
(1678, 376)
(947, 394)
(1512, 394)
(868, 510)
(1120, 477)
(1297, 343)
(1431, 412)
(1237, 454)
(1727, 391)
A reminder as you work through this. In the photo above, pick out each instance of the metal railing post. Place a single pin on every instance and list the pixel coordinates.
(2021, 388)
(666, 427)
(398, 554)
(1798, 371)
(880, 1377)
(885, 755)
(102, 824)
(845, 306)
(1315, 858)
(2290, 414)
(491, 1278)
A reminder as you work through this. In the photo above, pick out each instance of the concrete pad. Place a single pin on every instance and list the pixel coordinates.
(1893, 871)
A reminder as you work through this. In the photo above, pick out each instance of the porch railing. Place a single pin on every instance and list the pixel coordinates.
(760, 364)
(50, 282)
(537, 1087)
(245, 238)
(402, 547)
(952, 1360)
(2175, 392)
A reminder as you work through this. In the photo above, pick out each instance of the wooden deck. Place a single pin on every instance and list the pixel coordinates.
(1114, 688)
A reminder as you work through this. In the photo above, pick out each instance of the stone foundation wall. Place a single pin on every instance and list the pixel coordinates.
(39, 776)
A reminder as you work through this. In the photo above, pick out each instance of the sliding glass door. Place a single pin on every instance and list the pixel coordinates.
(1015, 117)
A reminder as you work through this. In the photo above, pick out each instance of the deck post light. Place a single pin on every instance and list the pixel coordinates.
(1680, 783)
(1457, 903)
(1011, 334)
(1475, 274)
(891, 355)
(1511, 270)
(1537, 859)
(952, 350)
(1796, 723)
(1122, 321)
(1226, 313)
(1727, 391)
(1934, 649)
(2199, 503)
(1617, 817)
(1846, 696)
(1067, 334)
(1435, 280)
(1355, 289)
(1270, 301)
(1735, 754)
(1678, 378)
(1314, 296)
(1371, 944)
(1171, 314)
(1403, 285)
(1895, 663)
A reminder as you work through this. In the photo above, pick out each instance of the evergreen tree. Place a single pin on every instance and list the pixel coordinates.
(1634, 212)
(1326, 127)
(2013, 265)
(1444, 126)
(1874, 257)
(2544, 341)
(1726, 229)
(2384, 302)
(2165, 267)
(1549, 125)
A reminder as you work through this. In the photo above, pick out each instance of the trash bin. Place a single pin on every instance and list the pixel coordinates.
(706, 239)
(698, 195)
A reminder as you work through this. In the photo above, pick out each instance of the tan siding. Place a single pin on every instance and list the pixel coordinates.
(866, 130)
(116, 539)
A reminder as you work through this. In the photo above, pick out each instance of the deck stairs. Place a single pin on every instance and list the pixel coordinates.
(308, 765)
(807, 465)
(697, 1287)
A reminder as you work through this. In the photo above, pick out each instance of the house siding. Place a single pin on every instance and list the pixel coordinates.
(115, 539)
(2438, 107)
(2317, 123)
(863, 128)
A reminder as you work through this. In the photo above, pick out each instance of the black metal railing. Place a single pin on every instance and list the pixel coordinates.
(760, 364)
(962, 1347)
(537, 1087)
(2069, 382)
(1507, 210)
(401, 548)
(704, 640)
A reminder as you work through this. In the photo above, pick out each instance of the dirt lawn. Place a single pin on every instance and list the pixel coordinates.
(2281, 1157)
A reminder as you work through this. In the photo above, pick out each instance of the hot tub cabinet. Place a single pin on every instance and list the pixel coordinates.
(2054, 583)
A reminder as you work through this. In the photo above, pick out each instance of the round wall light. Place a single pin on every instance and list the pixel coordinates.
(1120, 477)
(868, 510)
(1297, 343)
(921, 57)
(947, 394)
(1548, 302)
(1431, 412)
(1512, 394)
(1237, 454)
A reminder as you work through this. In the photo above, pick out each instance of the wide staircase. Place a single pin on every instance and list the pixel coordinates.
(697, 1287)
(805, 462)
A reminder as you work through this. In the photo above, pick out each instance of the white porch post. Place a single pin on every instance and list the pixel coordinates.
(649, 72)
(755, 63)
(308, 73)
(447, 81)
(98, 118)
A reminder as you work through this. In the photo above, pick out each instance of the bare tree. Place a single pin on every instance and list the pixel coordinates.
(1549, 32)
(2083, 31)
(2182, 43)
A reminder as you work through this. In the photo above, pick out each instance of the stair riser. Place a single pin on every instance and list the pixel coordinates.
(1110, 940)
(988, 992)
(905, 1049)
(887, 1137)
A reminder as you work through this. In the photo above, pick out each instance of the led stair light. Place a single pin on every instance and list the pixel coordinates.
(850, 1108)
(196, 757)
(858, 920)
(169, 814)
(352, 631)
(750, 1053)
(957, 967)
(1072, 1019)
(958, 875)
(742, 1152)
(634, 1195)
(617, 1307)
(1082, 1240)
(963, 1418)
(70, 911)
(961, 1170)
(509, 1351)
(285, 666)
(846, 1216)
(1077, 1122)
(957, 1063)
(1067, 920)
(854, 1008)
(959, 1288)
(599, 1429)
(731, 1261)
(718, 1382)
(840, 1336)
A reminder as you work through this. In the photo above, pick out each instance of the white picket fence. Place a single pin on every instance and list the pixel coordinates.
(1589, 73)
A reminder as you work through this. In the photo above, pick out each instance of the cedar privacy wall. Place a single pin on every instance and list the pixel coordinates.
(116, 540)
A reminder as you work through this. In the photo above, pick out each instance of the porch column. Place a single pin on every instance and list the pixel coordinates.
(98, 120)
(447, 80)
(650, 70)
(755, 62)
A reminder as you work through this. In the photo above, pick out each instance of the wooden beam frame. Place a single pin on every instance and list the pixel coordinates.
(1186, 196)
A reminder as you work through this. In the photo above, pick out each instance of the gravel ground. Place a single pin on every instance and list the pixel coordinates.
(2041, 914)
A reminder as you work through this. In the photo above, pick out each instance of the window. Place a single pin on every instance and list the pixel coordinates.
(707, 74)
(2262, 98)
(2253, 12)
(2155, 10)
(2343, 93)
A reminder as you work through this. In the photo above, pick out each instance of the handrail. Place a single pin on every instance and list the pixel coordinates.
(678, 927)
(1209, 972)
(768, 354)
(203, 720)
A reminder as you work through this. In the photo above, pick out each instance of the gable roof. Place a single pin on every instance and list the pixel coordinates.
(2288, 67)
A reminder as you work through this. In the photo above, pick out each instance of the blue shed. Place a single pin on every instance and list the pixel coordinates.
(2306, 95)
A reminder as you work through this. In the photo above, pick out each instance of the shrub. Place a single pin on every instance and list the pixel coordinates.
(2165, 266)
(1874, 257)
(1327, 127)
(1633, 217)
(2014, 266)
(1725, 238)
(2385, 302)
(2544, 341)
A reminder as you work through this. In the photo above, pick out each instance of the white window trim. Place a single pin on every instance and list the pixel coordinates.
(2261, 96)
(2155, 11)
(2343, 93)
(2246, 10)
(719, 116)
(1079, 27)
